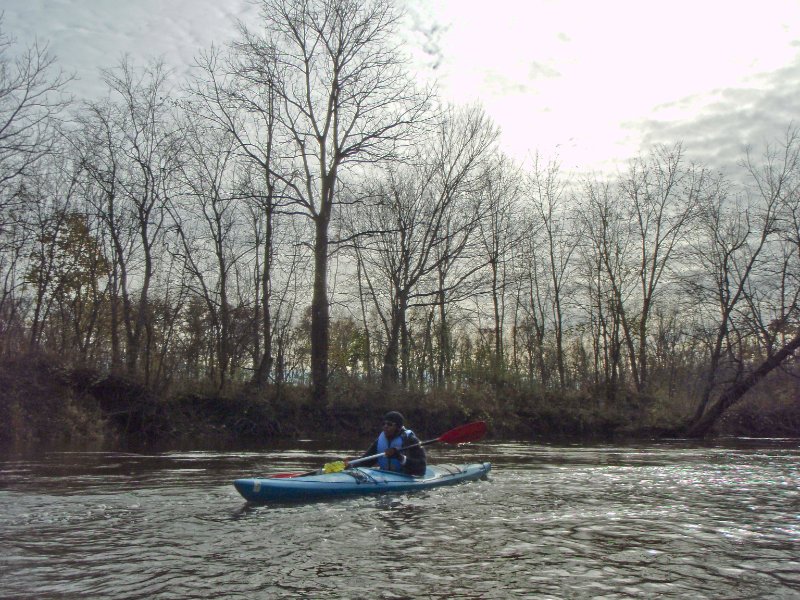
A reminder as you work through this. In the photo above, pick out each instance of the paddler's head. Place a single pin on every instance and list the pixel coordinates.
(392, 424)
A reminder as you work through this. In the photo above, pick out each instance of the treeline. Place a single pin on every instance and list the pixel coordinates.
(300, 212)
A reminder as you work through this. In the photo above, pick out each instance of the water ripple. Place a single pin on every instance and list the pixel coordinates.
(667, 520)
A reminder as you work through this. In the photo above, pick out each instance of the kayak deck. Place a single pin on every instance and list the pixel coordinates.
(354, 482)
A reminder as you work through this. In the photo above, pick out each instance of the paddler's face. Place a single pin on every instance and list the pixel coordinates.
(390, 429)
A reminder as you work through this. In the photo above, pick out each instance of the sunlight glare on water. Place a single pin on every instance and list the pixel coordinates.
(669, 520)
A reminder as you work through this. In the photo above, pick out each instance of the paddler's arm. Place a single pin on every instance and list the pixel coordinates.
(415, 458)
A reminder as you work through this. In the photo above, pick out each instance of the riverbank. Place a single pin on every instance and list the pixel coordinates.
(46, 404)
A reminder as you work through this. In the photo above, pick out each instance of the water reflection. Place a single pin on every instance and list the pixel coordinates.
(667, 519)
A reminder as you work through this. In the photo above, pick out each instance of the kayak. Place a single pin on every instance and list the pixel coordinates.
(355, 481)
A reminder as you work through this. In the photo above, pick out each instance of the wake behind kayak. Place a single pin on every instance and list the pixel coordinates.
(356, 481)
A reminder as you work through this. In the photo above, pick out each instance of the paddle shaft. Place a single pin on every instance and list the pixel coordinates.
(358, 461)
(460, 435)
(470, 432)
(364, 459)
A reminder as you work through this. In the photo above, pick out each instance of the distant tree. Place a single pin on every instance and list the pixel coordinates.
(130, 149)
(606, 278)
(423, 219)
(662, 196)
(32, 99)
(547, 193)
(500, 232)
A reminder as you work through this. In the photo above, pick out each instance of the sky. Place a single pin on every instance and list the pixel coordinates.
(589, 82)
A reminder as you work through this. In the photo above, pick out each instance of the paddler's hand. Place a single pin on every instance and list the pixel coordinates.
(392, 452)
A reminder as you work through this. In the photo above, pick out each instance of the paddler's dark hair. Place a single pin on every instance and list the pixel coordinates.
(394, 417)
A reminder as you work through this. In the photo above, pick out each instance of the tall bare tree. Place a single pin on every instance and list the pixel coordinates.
(344, 98)
(548, 200)
(500, 233)
(458, 156)
(662, 195)
(131, 152)
(206, 219)
(237, 93)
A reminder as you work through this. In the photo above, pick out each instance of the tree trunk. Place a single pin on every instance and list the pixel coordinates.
(113, 299)
(499, 362)
(699, 427)
(390, 373)
(320, 317)
(364, 320)
(264, 368)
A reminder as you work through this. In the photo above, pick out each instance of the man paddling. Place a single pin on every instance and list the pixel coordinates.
(394, 442)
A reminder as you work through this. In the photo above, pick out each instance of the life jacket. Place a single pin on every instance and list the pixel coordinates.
(391, 464)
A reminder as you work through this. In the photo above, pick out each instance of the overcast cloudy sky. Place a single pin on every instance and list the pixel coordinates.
(593, 81)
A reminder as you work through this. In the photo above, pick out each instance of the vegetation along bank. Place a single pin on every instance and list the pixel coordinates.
(47, 405)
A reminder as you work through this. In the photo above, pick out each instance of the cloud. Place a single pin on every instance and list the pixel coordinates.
(500, 84)
(717, 128)
(625, 76)
(426, 33)
(90, 35)
(539, 70)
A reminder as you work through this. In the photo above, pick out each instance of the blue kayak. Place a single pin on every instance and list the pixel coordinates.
(354, 481)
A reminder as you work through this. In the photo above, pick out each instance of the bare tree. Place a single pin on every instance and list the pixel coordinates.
(131, 152)
(423, 220)
(532, 300)
(237, 93)
(548, 199)
(606, 277)
(344, 98)
(750, 257)
(462, 148)
(638, 227)
(206, 219)
(500, 233)
(32, 98)
(662, 196)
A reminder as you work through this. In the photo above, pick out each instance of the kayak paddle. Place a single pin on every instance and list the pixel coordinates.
(471, 432)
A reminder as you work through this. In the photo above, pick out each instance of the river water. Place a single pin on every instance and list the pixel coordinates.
(663, 520)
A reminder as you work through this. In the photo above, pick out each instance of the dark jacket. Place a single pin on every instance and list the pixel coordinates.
(416, 461)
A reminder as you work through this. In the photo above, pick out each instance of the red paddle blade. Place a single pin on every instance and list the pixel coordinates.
(471, 432)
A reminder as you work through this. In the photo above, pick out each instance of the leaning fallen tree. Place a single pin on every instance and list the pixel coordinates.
(702, 424)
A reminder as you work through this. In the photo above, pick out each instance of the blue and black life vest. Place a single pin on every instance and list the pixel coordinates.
(391, 464)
